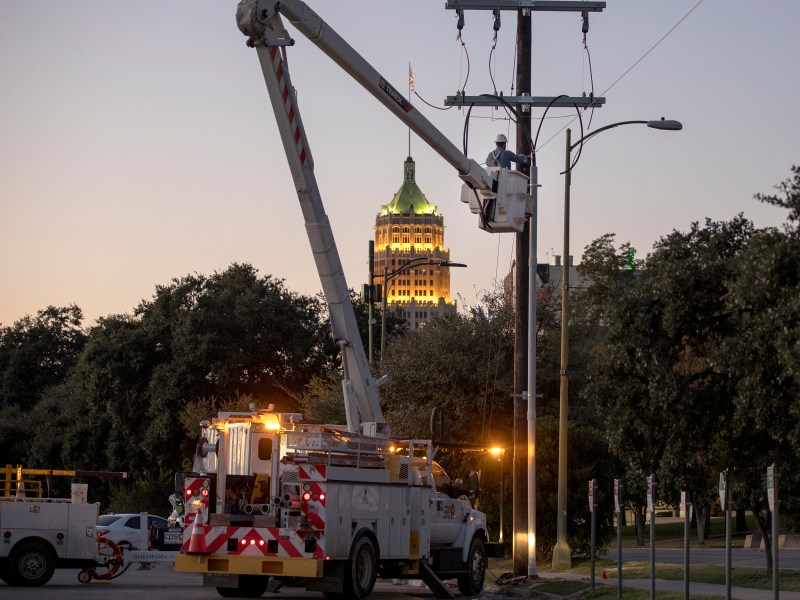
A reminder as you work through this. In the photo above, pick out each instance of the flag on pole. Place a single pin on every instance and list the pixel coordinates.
(410, 79)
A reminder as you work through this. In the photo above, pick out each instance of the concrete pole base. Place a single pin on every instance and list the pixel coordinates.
(562, 557)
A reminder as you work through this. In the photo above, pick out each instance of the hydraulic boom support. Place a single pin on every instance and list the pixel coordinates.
(499, 196)
(362, 404)
(260, 19)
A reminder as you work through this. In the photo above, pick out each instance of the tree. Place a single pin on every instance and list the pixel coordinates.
(323, 399)
(764, 356)
(588, 459)
(233, 334)
(461, 363)
(655, 375)
(607, 309)
(36, 353)
(698, 352)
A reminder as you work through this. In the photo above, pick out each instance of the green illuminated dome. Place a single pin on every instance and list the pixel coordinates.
(409, 199)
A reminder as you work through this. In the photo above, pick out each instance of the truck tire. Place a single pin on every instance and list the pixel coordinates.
(30, 564)
(250, 586)
(360, 572)
(5, 575)
(471, 583)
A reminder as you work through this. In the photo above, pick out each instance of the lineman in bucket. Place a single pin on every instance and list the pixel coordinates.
(500, 157)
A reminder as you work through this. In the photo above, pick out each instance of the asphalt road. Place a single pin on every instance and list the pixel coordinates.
(162, 583)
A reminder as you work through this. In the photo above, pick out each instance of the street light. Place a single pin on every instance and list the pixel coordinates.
(561, 553)
(498, 453)
(389, 275)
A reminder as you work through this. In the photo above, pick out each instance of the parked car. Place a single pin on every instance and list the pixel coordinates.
(125, 529)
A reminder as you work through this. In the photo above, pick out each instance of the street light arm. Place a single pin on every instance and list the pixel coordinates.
(596, 131)
(417, 261)
(663, 124)
(389, 275)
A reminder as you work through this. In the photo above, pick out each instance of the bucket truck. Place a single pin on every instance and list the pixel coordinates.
(273, 497)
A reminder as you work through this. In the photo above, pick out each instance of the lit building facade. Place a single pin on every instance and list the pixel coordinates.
(410, 228)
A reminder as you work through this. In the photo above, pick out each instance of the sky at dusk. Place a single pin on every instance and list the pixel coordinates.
(137, 142)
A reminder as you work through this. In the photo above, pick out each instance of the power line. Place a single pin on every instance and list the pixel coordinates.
(653, 47)
(632, 67)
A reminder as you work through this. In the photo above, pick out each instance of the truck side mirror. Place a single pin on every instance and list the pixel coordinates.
(474, 485)
(179, 485)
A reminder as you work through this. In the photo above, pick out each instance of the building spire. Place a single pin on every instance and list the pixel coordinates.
(409, 168)
(410, 89)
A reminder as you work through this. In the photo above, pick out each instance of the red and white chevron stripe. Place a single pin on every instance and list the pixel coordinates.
(311, 472)
(288, 102)
(196, 489)
(252, 541)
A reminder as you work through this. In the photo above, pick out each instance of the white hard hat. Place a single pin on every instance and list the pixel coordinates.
(501, 139)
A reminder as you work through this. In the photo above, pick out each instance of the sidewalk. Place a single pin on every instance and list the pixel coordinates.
(676, 586)
(702, 589)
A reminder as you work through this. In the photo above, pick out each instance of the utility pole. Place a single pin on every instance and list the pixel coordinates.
(524, 459)
(520, 481)
(371, 299)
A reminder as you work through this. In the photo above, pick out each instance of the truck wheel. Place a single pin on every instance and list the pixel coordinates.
(31, 564)
(5, 574)
(471, 583)
(250, 586)
(361, 570)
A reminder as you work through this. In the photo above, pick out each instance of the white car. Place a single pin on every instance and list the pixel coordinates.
(125, 529)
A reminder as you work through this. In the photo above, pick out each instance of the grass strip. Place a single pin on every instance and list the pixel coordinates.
(744, 577)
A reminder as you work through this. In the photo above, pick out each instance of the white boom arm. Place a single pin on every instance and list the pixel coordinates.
(498, 196)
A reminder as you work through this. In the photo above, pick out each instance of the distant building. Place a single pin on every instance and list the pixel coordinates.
(409, 228)
(550, 276)
(553, 274)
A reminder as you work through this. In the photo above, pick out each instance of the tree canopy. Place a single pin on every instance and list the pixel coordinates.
(697, 353)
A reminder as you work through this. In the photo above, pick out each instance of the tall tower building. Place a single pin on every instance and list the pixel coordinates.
(410, 228)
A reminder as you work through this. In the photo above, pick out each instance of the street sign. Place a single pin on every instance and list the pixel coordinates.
(592, 487)
(651, 490)
(723, 488)
(616, 496)
(771, 487)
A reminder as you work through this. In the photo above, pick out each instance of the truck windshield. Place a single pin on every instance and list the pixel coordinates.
(440, 478)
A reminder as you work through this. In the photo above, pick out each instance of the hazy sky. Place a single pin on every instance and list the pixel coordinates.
(137, 143)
